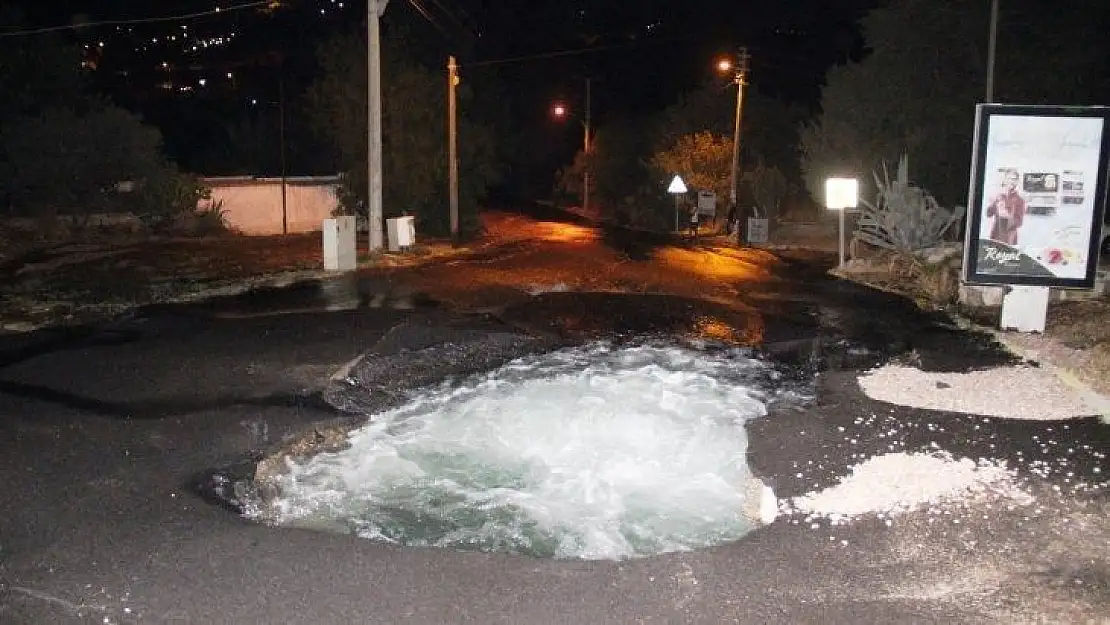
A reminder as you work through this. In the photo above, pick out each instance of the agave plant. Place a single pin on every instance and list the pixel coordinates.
(904, 218)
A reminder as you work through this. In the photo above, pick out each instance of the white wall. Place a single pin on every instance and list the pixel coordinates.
(252, 206)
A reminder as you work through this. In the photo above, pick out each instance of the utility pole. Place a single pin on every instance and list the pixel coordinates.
(586, 152)
(284, 169)
(741, 82)
(374, 11)
(992, 49)
(453, 145)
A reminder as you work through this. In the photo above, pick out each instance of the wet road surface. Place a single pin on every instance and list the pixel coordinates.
(104, 430)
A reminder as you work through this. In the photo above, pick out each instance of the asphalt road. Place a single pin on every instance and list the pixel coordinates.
(105, 432)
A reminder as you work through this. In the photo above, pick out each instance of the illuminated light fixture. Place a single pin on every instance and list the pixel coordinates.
(842, 194)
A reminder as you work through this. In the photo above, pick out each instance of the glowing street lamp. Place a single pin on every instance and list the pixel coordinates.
(559, 110)
(841, 194)
(738, 71)
(677, 188)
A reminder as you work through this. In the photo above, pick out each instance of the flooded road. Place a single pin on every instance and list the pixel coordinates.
(886, 513)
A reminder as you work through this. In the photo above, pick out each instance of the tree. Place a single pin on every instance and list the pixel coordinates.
(98, 150)
(628, 187)
(769, 132)
(38, 72)
(65, 151)
(768, 189)
(916, 91)
(414, 137)
(619, 161)
(702, 159)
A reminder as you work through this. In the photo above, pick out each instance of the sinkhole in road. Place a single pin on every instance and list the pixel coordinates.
(597, 452)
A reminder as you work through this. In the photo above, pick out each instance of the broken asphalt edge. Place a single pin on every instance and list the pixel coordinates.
(1069, 377)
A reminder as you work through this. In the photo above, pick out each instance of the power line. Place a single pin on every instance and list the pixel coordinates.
(423, 11)
(141, 20)
(573, 52)
(467, 20)
(451, 15)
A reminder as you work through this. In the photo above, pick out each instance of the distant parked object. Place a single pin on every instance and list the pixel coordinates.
(253, 205)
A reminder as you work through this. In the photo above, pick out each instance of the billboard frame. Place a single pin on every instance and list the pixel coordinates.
(972, 273)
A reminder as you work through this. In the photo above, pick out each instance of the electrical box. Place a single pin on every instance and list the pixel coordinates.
(402, 232)
(707, 204)
(758, 230)
(339, 244)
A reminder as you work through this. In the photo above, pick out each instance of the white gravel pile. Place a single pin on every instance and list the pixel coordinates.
(901, 482)
(1009, 392)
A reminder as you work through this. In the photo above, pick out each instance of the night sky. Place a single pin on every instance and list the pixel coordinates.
(649, 51)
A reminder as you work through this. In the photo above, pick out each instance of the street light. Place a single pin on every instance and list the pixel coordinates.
(560, 112)
(677, 188)
(841, 194)
(740, 77)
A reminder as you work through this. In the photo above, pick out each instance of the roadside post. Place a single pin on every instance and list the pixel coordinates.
(1036, 204)
(677, 188)
(841, 194)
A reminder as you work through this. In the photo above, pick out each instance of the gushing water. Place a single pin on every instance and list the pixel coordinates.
(593, 453)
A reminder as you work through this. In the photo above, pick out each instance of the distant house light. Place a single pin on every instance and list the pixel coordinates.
(202, 82)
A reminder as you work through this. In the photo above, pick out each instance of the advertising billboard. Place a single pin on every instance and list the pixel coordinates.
(1038, 195)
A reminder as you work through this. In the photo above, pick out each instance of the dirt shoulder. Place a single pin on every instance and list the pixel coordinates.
(83, 282)
(1076, 341)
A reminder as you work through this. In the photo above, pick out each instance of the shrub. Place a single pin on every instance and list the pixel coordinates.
(904, 218)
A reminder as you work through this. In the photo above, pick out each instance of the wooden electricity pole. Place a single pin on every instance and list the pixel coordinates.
(741, 82)
(453, 145)
(586, 153)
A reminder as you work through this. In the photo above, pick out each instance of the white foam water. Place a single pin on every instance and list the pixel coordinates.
(599, 452)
